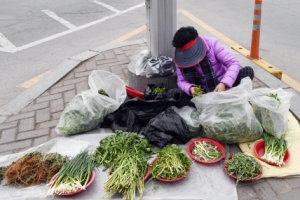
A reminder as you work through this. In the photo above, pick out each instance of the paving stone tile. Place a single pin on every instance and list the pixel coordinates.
(15, 145)
(109, 54)
(246, 193)
(75, 80)
(8, 135)
(293, 195)
(293, 182)
(26, 124)
(80, 68)
(5, 153)
(53, 133)
(91, 65)
(99, 57)
(129, 53)
(42, 115)
(123, 63)
(62, 89)
(101, 62)
(57, 105)
(8, 125)
(69, 95)
(20, 116)
(81, 87)
(33, 134)
(264, 191)
(70, 75)
(118, 51)
(56, 115)
(40, 140)
(103, 67)
(49, 124)
(122, 57)
(46, 93)
(116, 69)
(35, 106)
(83, 74)
(279, 185)
(48, 98)
(57, 84)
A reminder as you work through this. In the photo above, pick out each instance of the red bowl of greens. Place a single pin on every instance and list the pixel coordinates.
(92, 178)
(166, 179)
(206, 151)
(242, 167)
(280, 158)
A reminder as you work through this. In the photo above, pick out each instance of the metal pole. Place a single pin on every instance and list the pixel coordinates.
(254, 53)
(161, 26)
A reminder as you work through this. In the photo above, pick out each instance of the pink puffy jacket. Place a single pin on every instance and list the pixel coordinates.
(225, 65)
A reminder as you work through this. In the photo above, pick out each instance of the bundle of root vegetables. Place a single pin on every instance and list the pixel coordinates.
(33, 169)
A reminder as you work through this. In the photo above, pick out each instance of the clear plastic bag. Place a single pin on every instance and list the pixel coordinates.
(191, 117)
(227, 116)
(88, 108)
(138, 61)
(271, 107)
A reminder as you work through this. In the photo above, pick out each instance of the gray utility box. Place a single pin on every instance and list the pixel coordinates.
(140, 82)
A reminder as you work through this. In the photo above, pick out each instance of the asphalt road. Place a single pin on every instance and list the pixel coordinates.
(36, 36)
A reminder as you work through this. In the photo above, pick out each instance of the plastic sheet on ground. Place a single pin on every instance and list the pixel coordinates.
(203, 182)
(292, 136)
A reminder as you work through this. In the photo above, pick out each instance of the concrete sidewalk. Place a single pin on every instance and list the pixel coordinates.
(30, 119)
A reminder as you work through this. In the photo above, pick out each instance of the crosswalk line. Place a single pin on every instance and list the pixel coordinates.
(59, 19)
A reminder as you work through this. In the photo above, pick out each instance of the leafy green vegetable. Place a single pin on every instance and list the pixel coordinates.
(171, 163)
(243, 167)
(126, 154)
(275, 149)
(232, 129)
(74, 175)
(198, 91)
(102, 92)
(157, 90)
(205, 151)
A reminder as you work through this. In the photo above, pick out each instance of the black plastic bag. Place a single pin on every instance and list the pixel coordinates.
(151, 94)
(167, 128)
(135, 114)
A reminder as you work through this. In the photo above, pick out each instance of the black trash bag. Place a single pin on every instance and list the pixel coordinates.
(151, 93)
(135, 114)
(167, 128)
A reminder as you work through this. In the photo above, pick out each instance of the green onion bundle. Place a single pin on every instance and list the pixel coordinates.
(74, 175)
(205, 151)
(275, 149)
(243, 167)
(171, 163)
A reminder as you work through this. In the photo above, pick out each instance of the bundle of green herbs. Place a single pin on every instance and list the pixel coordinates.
(33, 169)
(126, 154)
(243, 167)
(158, 89)
(275, 149)
(74, 175)
(205, 151)
(233, 124)
(198, 91)
(77, 118)
(171, 163)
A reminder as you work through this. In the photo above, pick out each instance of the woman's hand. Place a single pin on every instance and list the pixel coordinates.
(193, 92)
(220, 87)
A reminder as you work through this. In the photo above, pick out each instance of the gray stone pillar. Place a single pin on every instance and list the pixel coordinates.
(161, 26)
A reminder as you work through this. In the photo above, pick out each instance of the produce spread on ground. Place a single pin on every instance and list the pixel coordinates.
(126, 154)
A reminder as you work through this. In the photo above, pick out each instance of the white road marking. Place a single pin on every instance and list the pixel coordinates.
(106, 6)
(6, 45)
(59, 19)
(26, 46)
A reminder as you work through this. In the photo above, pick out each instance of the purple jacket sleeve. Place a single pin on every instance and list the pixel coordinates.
(229, 62)
(182, 83)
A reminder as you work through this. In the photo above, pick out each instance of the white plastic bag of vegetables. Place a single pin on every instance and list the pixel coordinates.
(271, 107)
(88, 108)
(227, 116)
